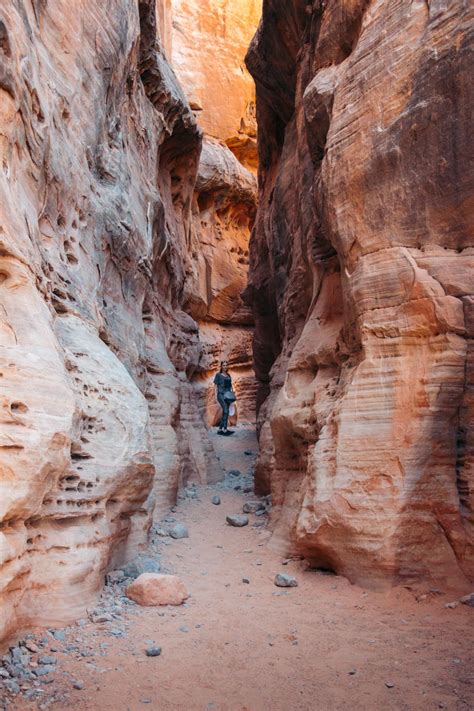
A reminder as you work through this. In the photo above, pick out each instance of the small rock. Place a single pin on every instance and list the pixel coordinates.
(352, 672)
(151, 589)
(246, 580)
(282, 580)
(60, 635)
(141, 564)
(43, 671)
(79, 685)
(97, 616)
(235, 472)
(179, 531)
(81, 623)
(12, 687)
(248, 489)
(184, 629)
(45, 659)
(153, 652)
(4, 674)
(237, 520)
(216, 500)
(452, 605)
(468, 600)
(32, 647)
(389, 684)
(115, 576)
(253, 507)
(261, 512)
(248, 452)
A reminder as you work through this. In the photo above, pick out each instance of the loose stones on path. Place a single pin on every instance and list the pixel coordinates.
(216, 500)
(237, 520)
(282, 580)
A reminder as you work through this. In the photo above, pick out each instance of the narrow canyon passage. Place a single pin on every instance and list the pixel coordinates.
(285, 186)
(241, 643)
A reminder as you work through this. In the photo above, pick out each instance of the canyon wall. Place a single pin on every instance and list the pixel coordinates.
(209, 40)
(99, 154)
(361, 284)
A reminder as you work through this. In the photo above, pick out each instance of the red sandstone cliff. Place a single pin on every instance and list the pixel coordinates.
(361, 283)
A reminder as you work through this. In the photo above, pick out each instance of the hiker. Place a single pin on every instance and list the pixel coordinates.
(225, 396)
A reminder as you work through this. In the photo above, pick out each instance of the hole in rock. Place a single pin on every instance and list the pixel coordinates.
(18, 407)
(4, 41)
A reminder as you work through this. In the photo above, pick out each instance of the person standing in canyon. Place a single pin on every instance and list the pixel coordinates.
(225, 396)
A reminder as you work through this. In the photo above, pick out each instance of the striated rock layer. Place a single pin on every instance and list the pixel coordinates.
(98, 160)
(209, 39)
(362, 286)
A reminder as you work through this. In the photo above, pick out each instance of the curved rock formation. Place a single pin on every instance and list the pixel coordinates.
(361, 283)
(204, 34)
(209, 42)
(98, 159)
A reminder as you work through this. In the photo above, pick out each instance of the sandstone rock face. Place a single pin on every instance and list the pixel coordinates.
(151, 589)
(98, 160)
(361, 284)
(209, 42)
(224, 208)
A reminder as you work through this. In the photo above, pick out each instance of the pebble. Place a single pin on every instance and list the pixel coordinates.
(235, 472)
(468, 600)
(98, 617)
(179, 531)
(32, 647)
(282, 580)
(115, 576)
(153, 652)
(389, 684)
(79, 685)
(253, 507)
(184, 629)
(246, 580)
(43, 671)
(237, 520)
(216, 500)
(452, 605)
(248, 452)
(60, 635)
(45, 659)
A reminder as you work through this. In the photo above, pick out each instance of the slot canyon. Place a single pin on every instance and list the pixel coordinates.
(286, 185)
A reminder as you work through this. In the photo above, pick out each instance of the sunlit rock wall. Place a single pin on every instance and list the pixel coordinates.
(361, 284)
(209, 42)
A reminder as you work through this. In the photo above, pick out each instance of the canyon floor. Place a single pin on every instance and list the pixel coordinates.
(250, 646)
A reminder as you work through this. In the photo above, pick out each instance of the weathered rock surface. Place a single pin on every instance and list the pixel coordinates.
(98, 160)
(152, 589)
(209, 42)
(361, 284)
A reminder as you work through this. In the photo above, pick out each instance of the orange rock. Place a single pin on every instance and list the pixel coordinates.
(151, 589)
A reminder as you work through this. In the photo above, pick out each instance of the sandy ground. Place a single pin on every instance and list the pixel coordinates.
(325, 645)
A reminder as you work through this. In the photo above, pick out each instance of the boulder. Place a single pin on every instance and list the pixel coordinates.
(151, 589)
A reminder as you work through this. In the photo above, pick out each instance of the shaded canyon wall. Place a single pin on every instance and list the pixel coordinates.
(99, 155)
(361, 284)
